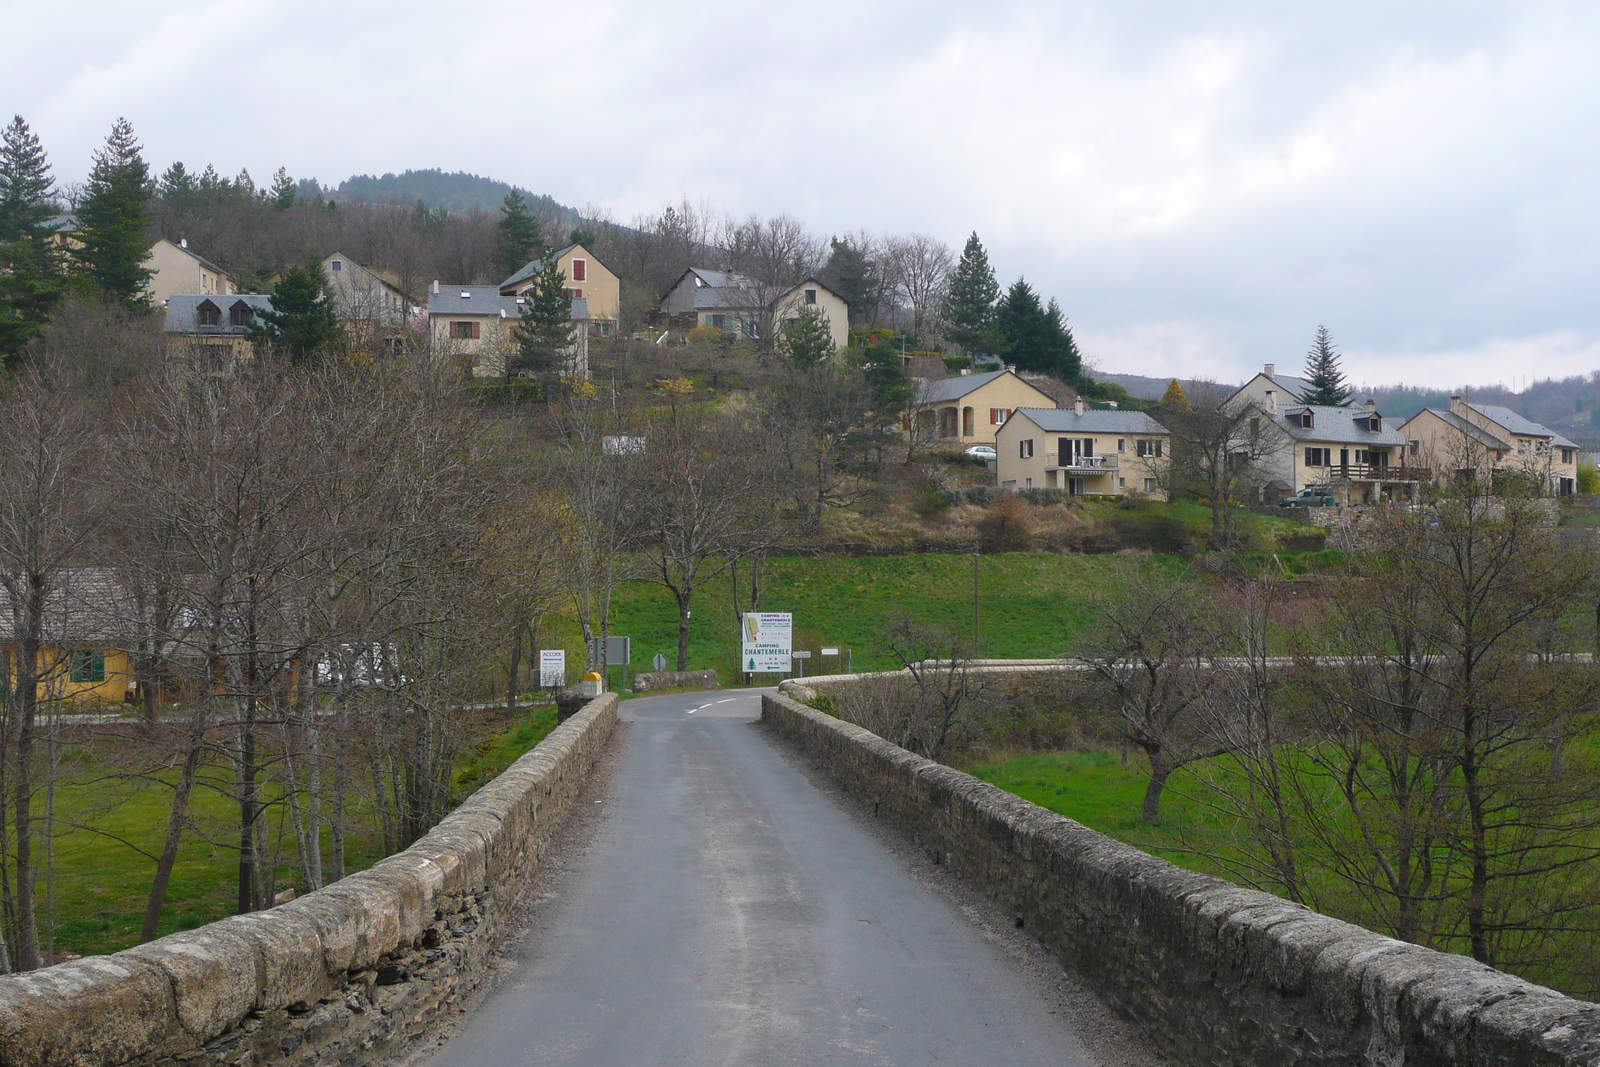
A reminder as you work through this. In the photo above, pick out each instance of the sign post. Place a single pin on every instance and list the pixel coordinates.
(660, 662)
(768, 642)
(799, 659)
(552, 668)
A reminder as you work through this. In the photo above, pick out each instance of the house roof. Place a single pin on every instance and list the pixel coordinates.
(182, 309)
(89, 605)
(931, 392)
(1517, 424)
(1295, 387)
(1471, 429)
(395, 289)
(1092, 420)
(533, 267)
(1336, 425)
(62, 223)
(461, 300)
(198, 258)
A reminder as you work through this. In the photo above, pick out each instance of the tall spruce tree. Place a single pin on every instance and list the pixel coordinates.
(520, 239)
(304, 322)
(851, 273)
(114, 219)
(1322, 371)
(969, 306)
(30, 279)
(545, 331)
(1064, 347)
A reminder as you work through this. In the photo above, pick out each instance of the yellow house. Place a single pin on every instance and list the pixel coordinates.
(1488, 441)
(588, 280)
(968, 409)
(82, 661)
(212, 331)
(175, 269)
(476, 324)
(1083, 450)
(1352, 453)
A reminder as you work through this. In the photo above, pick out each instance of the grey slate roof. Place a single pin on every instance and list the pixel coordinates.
(1472, 430)
(182, 308)
(1295, 387)
(1517, 424)
(531, 268)
(1093, 420)
(1336, 425)
(486, 300)
(89, 605)
(955, 388)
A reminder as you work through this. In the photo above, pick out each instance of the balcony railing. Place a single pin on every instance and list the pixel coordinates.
(1374, 472)
(1094, 464)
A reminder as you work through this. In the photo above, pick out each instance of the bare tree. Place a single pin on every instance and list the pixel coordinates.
(1219, 456)
(946, 695)
(919, 266)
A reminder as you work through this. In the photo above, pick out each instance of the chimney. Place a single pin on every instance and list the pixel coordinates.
(1077, 405)
(1456, 405)
(436, 287)
(1270, 370)
(1372, 405)
(1272, 400)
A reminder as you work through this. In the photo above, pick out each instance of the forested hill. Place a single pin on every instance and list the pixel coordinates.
(455, 191)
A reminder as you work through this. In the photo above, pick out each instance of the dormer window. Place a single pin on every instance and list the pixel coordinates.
(241, 314)
(1304, 419)
(208, 314)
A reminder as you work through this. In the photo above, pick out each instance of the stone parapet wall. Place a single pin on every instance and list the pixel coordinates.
(654, 681)
(1216, 974)
(340, 975)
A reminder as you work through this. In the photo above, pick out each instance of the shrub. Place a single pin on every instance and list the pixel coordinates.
(1006, 525)
(1152, 530)
(707, 335)
(931, 501)
(1588, 477)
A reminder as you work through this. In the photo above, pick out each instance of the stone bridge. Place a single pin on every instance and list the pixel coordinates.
(740, 879)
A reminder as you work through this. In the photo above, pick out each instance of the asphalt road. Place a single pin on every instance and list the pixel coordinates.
(730, 912)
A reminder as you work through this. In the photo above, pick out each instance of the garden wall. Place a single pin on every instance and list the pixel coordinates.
(1214, 973)
(338, 976)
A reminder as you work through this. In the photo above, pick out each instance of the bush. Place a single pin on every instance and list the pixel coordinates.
(1006, 525)
(1588, 476)
(707, 335)
(1302, 540)
(1152, 530)
(931, 501)
(492, 394)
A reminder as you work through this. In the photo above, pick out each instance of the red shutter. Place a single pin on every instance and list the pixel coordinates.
(578, 268)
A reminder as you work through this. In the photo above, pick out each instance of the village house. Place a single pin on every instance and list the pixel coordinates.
(588, 280)
(373, 311)
(212, 332)
(476, 324)
(1269, 387)
(1487, 441)
(175, 269)
(967, 410)
(1354, 452)
(732, 301)
(1083, 451)
(85, 658)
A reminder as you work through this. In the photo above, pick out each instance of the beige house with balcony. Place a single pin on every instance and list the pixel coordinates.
(478, 326)
(968, 409)
(1083, 451)
(1487, 441)
(1354, 451)
(588, 280)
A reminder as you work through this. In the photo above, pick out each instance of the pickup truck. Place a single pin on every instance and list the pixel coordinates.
(1312, 496)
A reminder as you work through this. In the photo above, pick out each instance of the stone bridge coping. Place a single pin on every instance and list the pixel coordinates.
(177, 993)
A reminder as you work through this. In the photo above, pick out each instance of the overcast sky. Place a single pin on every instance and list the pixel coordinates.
(1199, 185)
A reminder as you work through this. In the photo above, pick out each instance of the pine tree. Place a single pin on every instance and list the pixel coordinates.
(30, 280)
(808, 337)
(1020, 322)
(282, 195)
(304, 322)
(969, 305)
(1175, 398)
(544, 334)
(887, 379)
(852, 274)
(114, 220)
(1322, 371)
(177, 185)
(1067, 359)
(520, 239)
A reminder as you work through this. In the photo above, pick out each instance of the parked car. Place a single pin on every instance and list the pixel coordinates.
(985, 452)
(1312, 496)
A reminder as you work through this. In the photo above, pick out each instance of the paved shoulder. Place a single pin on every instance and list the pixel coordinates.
(729, 912)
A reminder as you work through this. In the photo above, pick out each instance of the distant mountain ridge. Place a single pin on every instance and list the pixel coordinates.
(456, 191)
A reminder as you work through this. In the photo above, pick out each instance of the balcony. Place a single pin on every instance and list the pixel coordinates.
(1084, 464)
(1374, 472)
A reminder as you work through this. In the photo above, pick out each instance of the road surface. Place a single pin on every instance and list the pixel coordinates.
(728, 911)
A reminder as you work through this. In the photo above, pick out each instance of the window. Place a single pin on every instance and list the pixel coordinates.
(574, 294)
(88, 665)
(208, 314)
(1567, 487)
(1414, 447)
(1025, 449)
(1149, 485)
(1122, 444)
(1304, 419)
(1122, 483)
(337, 265)
(719, 321)
(1318, 457)
(1372, 458)
(1566, 455)
(580, 270)
(1027, 483)
(464, 331)
(1148, 449)
(241, 314)
(998, 416)
(811, 296)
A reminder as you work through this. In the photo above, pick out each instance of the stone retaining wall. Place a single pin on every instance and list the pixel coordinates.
(1215, 974)
(340, 975)
(651, 681)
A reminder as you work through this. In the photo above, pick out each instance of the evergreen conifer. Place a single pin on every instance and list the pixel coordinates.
(1322, 371)
(544, 333)
(1067, 359)
(520, 239)
(304, 322)
(969, 306)
(30, 280)
(1175, 398)
(283, 193)
(809, 337)
(887, 380)
(114, 220)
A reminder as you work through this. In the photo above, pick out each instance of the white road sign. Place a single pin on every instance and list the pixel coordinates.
(552, 668)
(830, 651)
(768, 642)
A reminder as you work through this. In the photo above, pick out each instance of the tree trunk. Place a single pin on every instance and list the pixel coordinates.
(248, 813)
(1160, 770)
(169, 850)
(515, 669)
(27, 696)
(683, 629)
